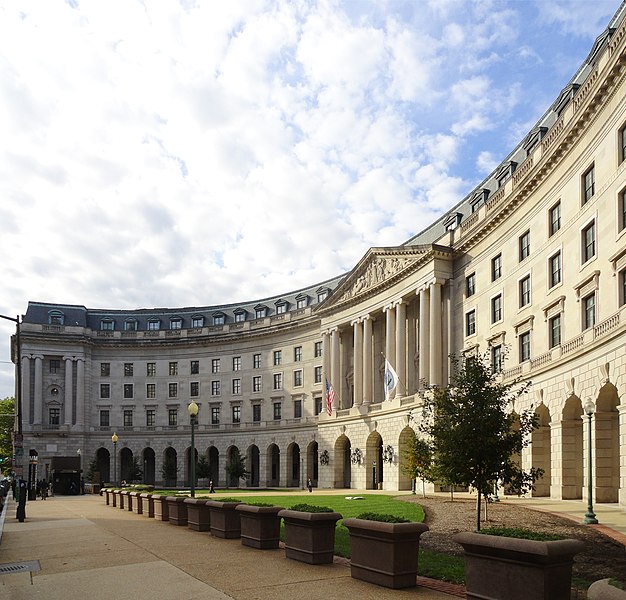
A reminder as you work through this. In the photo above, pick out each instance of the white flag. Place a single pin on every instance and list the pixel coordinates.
(391, 379)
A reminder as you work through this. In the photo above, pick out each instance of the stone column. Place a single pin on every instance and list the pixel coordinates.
(80, 391)
(424, 336)
(38, 409)
(400, 367)
(69, 396)
(335, 369)
(326, 375)
(368, 370)
(556, 455)
(27, 417)
(436, 341)
(390, 335)
(622, 453)
(357, 327)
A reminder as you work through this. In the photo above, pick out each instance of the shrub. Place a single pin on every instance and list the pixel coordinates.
(385, 518)
(226, 499)
(519, 532)
(312, 508)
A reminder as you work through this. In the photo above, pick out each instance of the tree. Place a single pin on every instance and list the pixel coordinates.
(92, 469)
(135, 472)
(169, 469)
(236, 468)
(7, 424)
(470, 425)
(418, 461)
(203, 467)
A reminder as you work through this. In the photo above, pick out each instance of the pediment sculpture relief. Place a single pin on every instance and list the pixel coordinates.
(376, 272)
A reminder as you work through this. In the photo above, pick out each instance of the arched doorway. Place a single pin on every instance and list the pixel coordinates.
(374, 461)
(606, 442)
(103, 464)
(312, 462)
(126, 465)
(541, 452)
(293, 465)
(214, 465)
(273, 465)
(572, 445)
(342, 464)
(253, 462)
(149, 461)
(233, 462)
(405, 443)
(169, 471)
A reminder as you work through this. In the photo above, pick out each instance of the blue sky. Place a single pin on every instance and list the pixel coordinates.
(196, 153)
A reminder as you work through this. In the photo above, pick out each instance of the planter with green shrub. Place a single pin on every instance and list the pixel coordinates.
(225, 520)
(198, 514)
(147, 504)
(177, 510)
(260, 525)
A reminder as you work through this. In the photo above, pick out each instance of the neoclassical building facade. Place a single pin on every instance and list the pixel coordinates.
(490, 275)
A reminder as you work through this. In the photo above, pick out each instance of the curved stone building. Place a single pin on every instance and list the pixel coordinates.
(491, 275)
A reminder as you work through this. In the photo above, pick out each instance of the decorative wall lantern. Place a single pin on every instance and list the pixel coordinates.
(324, 458)
(388, 454)
(356, 456)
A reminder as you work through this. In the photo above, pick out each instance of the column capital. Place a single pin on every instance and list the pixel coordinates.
(37, 356)
(69, 357)
(356, 321)
(437, 281)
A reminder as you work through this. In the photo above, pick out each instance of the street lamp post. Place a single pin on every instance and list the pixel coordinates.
(114, 439)
(590, 517)
(192, 409)
(81, 488)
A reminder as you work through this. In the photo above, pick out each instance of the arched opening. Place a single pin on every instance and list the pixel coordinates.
(541, 451)
(374, 461)
(312, 462)
(273, 465)
(405, 443)
(293, 465)
(169, 470)
(253, 462)
(126, 465)
(149, 461)
(342, 464)
(103, 464)
(235, 465)
(572, 449)
(214, 465)
(606, 455)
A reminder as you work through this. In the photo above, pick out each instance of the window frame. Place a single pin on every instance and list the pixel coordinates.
(588, 247)
(497, 308)
(525, 295)
(524, 347)
(496, 267)
(524, 245)
(470, 285)
(470, 323)
(555, 334)
(555, 277)
(554, 224)
(588, 182)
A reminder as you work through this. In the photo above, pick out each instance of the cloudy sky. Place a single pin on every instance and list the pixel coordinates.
(200, 152)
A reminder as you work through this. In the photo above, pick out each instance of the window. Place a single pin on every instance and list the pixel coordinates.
(589, 184)
(130, 325)
(215, 365)
(194, 367)
(496, 267)
(151, 390)
(54, 416)
(151, 369)
(281, 309)
(589, 242)
(197, 322)
(278, 381)
(497, 358)
(297, 378)
(150, 417)
(256, 383)
(105, 390)
(524, 291)
(470, 322)
(297, 409)
(589, 311)
(318, 405)
(524, 246)
(128, 390)
(154, 325)
(104, 418)
(622, 209)
(176, 323)
(524, 347)
(554, 325)
(240, 317)
(278, 411)
(105, 369)
(496, 308)
(56, 318)
(215, 388)
(260, 312)
(555, 218)
(321, 296)
(297, 354)
(236, 414)
(172, 417)
(236, 363)
(107, 325)
(256, 361)
(301, 303)
(318, 374)
(622, 144)
(55, 365)
(194, 389)
(317, 349)
(555, 269)
(236, 387)
(215, 415)
(128, 418)
(173, 369)
(256, 413)
(278, 357)
(622, 284)
(219, 319)
(470, 285)
(173, 390)
(128, 369)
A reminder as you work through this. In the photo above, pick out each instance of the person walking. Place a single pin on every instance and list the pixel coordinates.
(309, 484)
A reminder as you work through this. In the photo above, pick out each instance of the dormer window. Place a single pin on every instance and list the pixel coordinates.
(107, 325)
(154, 324)
(281, 307)
(565, 98)
(322, 294)
(260, 312)
(478, 199)
(302, 301)
(505, 173)
(56, 317)
(130, 325)
(176, 323)
(219, 319)
(452, 221)
(240, 316)
(533, 138)
(197, 322)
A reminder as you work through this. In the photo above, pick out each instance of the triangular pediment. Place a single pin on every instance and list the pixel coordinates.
(379, 268)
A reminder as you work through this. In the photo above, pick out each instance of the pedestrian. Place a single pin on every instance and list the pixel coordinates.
(44, 489)
(211, 488)
(82, 486)
(309, 484)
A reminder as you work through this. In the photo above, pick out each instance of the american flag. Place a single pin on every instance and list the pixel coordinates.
(330, 397)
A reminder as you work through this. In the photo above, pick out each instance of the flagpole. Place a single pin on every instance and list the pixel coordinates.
(397, 376)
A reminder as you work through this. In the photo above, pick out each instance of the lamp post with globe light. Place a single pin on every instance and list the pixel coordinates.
(192, 409)
(114, 439)
(590, 517)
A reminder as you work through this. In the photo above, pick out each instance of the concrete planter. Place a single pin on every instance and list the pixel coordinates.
(107, 496)
(137, 504)
(225, 521)
(147, 505)
(161, 508)
(310, 537)
(500, 568)
(121, 500)
(198, 514)
(602, 590)
(129, 500)
(384, 553)
(260, 526)
(178, 510)
(114, 498)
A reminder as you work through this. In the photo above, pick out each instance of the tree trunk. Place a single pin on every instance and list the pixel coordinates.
(486, 505)
(478, 511)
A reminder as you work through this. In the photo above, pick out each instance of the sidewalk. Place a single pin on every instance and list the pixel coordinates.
(87, 549)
